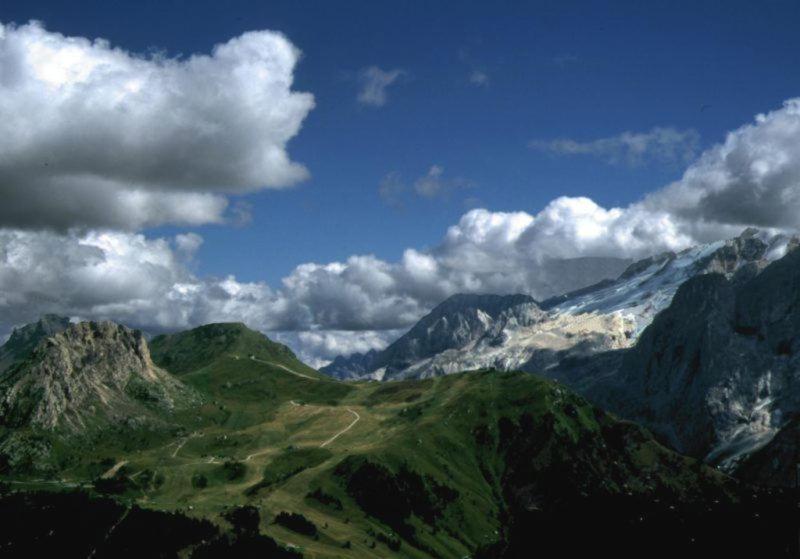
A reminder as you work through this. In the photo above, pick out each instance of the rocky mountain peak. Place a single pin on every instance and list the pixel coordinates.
(47, 325)
(468, 331)
(489, 303)
(83, 343)
(100, 369)
(454, 323)
(749, 247)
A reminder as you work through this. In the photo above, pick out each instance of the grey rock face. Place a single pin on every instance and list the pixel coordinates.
(666, 377)
(355, 366)
(453, 324)
(701, 346)
(525, 338)
(91, 373)
(718, 372)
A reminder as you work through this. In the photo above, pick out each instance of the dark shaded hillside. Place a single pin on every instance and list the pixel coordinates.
(761, 524)
(558, 472)
(75, 524)
(616, 491)
(717, 373)
(777, 463)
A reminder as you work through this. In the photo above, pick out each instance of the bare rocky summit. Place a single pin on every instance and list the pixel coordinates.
(88, 374)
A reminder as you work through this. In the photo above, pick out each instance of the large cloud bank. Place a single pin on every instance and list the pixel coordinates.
(97, 143)
(752, 178)
(93, 136)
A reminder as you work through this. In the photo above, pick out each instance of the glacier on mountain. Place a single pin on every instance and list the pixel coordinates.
(463, 333)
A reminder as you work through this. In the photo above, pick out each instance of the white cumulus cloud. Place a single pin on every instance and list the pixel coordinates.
(95, 136)
(752, 178)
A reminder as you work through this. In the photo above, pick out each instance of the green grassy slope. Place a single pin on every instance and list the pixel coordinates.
(433, 468)
(194, 349)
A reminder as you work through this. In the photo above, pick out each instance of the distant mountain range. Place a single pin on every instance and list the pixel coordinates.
(517, 332)
(608, 342)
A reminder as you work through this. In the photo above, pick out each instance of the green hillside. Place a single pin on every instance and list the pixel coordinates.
(200, 347)
(449, 467)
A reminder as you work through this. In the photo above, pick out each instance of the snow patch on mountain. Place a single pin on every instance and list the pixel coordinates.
(641, 294)
(738, 438)
(515, 332)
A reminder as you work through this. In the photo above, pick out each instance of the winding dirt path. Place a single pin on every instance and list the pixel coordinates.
(184, 441)
(287, 369)
(114, 469)
(343, 431)
(259, 453)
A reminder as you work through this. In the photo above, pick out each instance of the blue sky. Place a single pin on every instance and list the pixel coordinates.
(449, 147)
(555, 69)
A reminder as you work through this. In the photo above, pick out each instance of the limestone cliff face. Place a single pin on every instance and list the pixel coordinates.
(89, 373)
(717, 373)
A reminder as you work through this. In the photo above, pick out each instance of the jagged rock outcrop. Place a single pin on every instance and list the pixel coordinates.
(526, 338)
(87, 375)
(717, 373)
(24, 340)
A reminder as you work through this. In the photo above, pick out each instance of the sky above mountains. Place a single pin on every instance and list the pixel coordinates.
(328, 174)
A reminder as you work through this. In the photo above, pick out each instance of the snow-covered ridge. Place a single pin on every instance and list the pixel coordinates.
(648, 286)
(515, 332)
